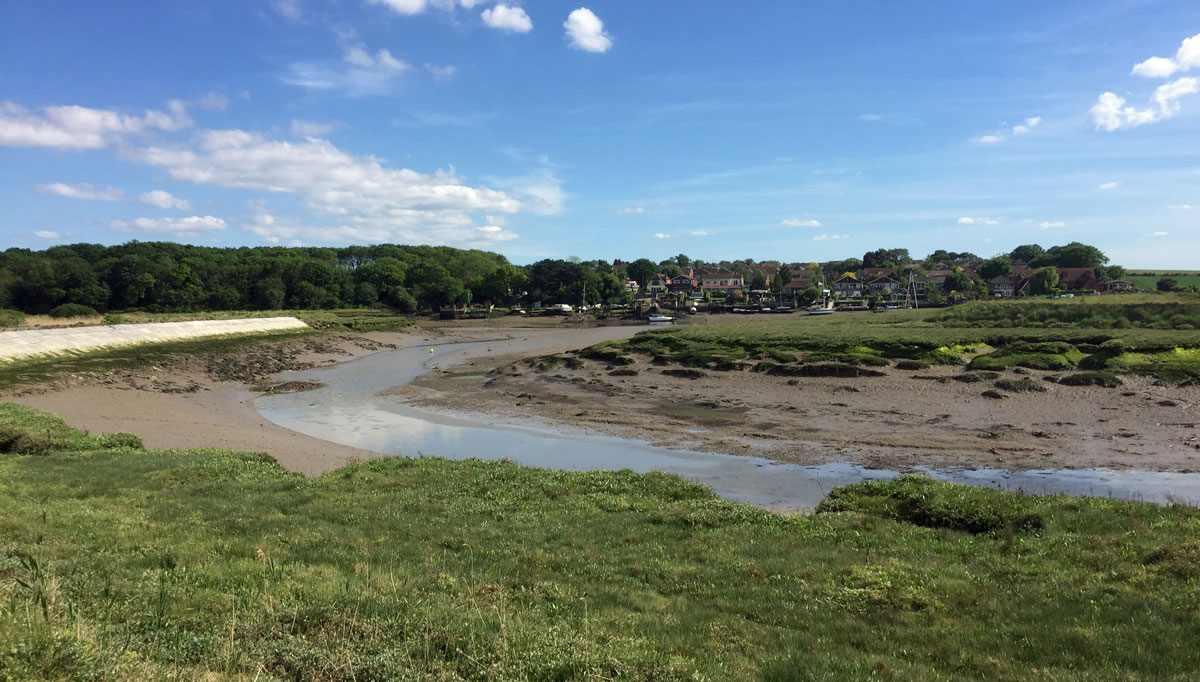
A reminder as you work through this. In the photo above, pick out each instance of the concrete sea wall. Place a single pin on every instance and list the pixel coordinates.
(28, 342)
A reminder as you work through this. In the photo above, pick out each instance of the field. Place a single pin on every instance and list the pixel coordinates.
(124, 564)
(1148, 281)
(351, 319)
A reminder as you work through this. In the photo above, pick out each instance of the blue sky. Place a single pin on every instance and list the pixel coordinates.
(788, 130)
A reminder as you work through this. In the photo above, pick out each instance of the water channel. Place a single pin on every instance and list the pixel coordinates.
(349, 409)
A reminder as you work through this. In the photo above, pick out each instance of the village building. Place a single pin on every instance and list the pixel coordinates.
(884, 286)
(847, 287)
(1120, 285)
(658, 284)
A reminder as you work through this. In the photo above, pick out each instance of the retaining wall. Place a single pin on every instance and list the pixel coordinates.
(27, 342)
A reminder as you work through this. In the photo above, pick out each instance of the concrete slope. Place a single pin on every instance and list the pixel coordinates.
(27, 342)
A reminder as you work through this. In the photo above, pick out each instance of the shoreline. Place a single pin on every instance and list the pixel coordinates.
(897, 422)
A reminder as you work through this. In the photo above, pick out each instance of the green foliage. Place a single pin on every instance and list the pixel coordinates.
(73, 310)
(1134, 311)
(26, 431)
(11, 318)
(1026, 252)
(995, 267)
(1167, 284)
(1052, 355)
(912, 364)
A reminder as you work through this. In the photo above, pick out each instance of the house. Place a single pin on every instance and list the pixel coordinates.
(1008, 286)
(721, 278)
(871, 273)
(684, 282)
(847, 287)
(1119, 285)
(658, 284)
(1078, 279)
(632, 286)
(885, 286)
(800, 282)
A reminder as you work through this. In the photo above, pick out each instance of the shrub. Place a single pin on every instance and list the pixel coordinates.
(120, 440)
(912, 364)
(73, 310)
(11, 318)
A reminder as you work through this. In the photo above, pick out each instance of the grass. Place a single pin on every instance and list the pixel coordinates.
(350, 319)
(40, 368)
(1148, 311)
(1149, 282)
(212, 565)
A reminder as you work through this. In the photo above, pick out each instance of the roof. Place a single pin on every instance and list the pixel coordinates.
(719, 274)
(885, 279)
(847, 279)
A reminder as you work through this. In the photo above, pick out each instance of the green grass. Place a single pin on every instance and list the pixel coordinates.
(1149, 282)
(350, 319)
(1148, 311)
(41, 368)
(212, 565)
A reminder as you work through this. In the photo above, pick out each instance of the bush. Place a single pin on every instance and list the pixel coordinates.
(912, 364)
(1105, 379)
(120, 440)
(73, 310)
(11, 318)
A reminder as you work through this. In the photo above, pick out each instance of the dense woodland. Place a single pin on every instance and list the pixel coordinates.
(170, 277)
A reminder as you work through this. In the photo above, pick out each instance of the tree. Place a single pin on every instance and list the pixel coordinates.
(682, 261)
(939, 256)
(758, 280)
(957, 281)
(1112, 272)
(995, 267)
(1167, 284)
(1074, 255)
(641, 270)
(1026, 253)
(1044, 281)
(886, 258)
(849, 265)
(785, 275)
(671, 270)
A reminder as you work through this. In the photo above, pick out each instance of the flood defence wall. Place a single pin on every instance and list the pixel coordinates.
(30, 342)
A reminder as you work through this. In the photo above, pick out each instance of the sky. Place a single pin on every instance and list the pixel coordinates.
(796, 131)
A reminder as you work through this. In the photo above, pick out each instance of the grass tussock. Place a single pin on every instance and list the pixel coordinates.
(1176, 311)
(213, 565)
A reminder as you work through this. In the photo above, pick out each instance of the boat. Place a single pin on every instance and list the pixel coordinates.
(660, 318)
(820, 311)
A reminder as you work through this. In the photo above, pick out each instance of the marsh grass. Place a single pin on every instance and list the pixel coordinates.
(212, 565)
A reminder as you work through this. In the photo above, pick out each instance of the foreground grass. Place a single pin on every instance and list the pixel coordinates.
(129, 564)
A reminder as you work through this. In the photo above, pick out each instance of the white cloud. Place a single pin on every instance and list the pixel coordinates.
(1109, 185)
(586, 31)
(213, 101)
(1052, 224)
(827, 237)
(638, 208)
(434, 119)
(1155, 67)
(411, 7)
(699, 233)
(441, 71)
(351, 198)
(163, 199)
(869, 118)
(1186, 58)
(660, 235)
(998, 136)
(1158, 234)
(359, 73)
(47, 234)
(179, 227)
(1110, 113)
(800, 222)
(289, 9)
(312, 128)
(81, 191)
(1181, 207)
(967, 220)
(75, 127)
(505, 18)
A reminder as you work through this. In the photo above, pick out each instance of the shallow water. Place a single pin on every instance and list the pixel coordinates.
(349, 410)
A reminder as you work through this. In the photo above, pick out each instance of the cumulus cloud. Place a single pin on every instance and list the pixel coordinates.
(1186, 58)
(967, 220)
(1181, 207)
(505, 18)
(76, 127)
(800, 222)
(639, 207)
(179, 227)
(661, 235)
(359, 73)
(827, 237)
(699, 233)
(81, 191)
(1052, 224)
(1028, 126)
(586, 31)
(1110, 113)
(163, 199)
(47, 234)
(356, 198)
(1109, 185)
(411, 7)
